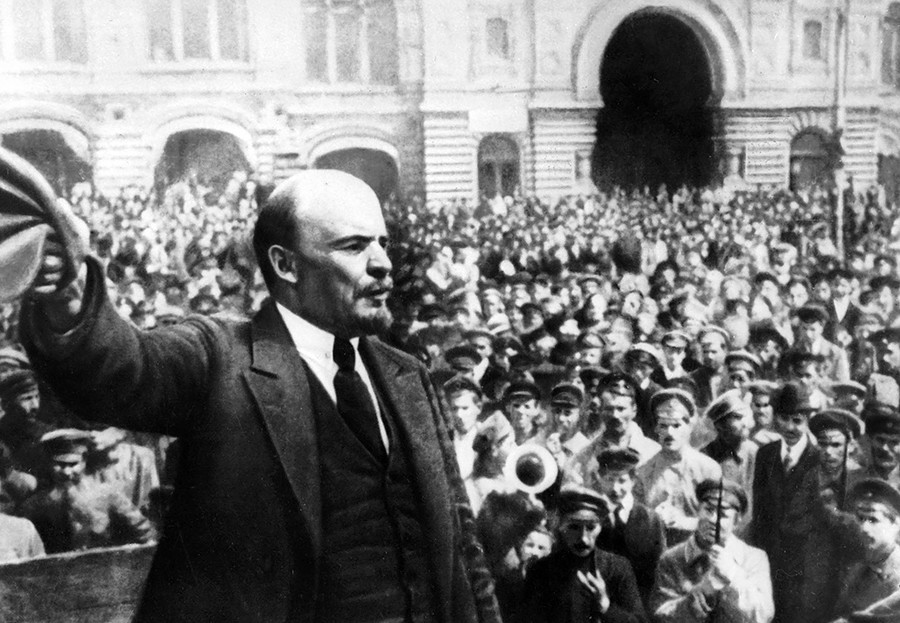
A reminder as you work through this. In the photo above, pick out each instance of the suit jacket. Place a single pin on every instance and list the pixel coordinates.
(243, 538)
(642, 541)
(552, 591)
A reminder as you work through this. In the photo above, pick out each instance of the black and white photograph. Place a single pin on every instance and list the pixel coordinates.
(449, 311)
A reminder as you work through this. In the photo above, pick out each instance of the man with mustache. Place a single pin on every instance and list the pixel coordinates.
(785, 498)
(883, 440)
(579, 583)
(317, 480)
(666, 483)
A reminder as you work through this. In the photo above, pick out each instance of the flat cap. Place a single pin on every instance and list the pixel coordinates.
(66, 443)
(463, 356)
(522, 389)
(17, 382)
(875, 490)
(671, 393)
(742, 359)
(728, 404)
(461, 383)
(642, 352)
(762, 386)
(852, 388)
(676, 338)
(619, 383)
(733, 494)
(566, 394)
(574, 498)
(618, 459)
(711, 328)
(836, 419)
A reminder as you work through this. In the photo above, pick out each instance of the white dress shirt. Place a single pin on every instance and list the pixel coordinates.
(793, 452)
(316, 348)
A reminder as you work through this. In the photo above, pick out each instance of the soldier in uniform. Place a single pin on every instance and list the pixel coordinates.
(883, 440)
(667, 482)
(579, 583)
(731, 448)
(876, 506)
(714, 577)
(76, 512)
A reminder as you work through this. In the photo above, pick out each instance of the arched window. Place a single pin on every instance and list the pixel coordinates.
(890, 46)
(498, 166)
(351, 41)
(43, 31)
(185, 30)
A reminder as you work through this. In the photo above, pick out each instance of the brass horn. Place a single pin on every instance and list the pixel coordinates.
(531, 468)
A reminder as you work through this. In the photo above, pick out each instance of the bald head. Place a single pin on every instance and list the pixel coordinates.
(307, 200)
(321, 242)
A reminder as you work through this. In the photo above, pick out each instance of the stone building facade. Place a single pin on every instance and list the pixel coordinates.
(453, 97)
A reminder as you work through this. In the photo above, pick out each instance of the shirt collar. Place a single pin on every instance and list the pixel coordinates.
(794, 451)
(309, 340)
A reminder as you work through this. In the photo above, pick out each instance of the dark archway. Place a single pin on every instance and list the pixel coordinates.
(375, 168)
(49, 152)
(657, 124)
(809, 160)
(498, 166)
(208, 157)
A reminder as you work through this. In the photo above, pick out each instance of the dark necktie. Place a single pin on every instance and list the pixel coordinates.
(354, 402)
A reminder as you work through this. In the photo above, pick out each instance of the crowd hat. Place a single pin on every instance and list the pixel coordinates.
(837, 419)
(66, 444)
(732, 493)
(875, 490)
(575, 498)
(460, 383)
(566, 395)
(618, 459)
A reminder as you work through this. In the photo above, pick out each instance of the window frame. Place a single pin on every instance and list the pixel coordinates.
(176, 27)
(49, 53)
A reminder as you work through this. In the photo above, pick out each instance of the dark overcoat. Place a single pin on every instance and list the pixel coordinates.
(243, 538)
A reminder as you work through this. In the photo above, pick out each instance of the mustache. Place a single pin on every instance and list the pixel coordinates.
(379, 287)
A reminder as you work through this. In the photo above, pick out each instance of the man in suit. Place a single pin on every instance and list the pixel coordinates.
(785, 497)
(579, 583)
(810, 339)
(631, 530)
(843, 312)
(318, 480)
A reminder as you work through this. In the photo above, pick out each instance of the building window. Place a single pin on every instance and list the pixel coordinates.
(890, 46)
(184, 30)
(43, 31)
(351, 41)
(497, 30)
(812, 40)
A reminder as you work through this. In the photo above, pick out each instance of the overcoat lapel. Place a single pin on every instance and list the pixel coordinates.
(402, 386)
(279, 384)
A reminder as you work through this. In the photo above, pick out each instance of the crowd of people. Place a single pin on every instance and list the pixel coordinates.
(715, 385)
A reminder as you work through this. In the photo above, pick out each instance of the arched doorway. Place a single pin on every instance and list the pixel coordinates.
(375, 168)
(49, 152)
(207, 157)
(809, 159)
(498, 166)
(657, 123)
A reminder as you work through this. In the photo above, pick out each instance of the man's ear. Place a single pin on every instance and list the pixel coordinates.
(284, 263)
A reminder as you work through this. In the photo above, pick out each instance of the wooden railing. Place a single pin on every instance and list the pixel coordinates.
(94, 586)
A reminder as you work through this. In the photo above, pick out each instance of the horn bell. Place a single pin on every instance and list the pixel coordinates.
(531, 468)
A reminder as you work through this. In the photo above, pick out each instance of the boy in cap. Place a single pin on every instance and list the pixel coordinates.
(521, 406)
(876, 506)
(631, 529)
(77, 512)
(835, 430)
(579, 583)
(674, 347)
(566, 401)
(849, 395)
(761, 401)
(667, 482)
(463, 398)
(732, 448)
(714, 577)
(785, 496)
